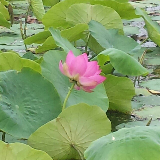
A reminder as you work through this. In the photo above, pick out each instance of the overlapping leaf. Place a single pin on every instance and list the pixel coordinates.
(4, 11)
(120, 91)
(3, 21)
(38, 38)
(50, 2)
(122, 1)
(38, 8)
(12, 61)
(121, 7)
(4, 2)
(67, 136)
(55, 17)
(123, 62)
(84, 13)
(132, 143)
(71, 9)
(27, 101)
(63, 42)
(152, 27)
(72, 34)
(19, 151)
(111, 38)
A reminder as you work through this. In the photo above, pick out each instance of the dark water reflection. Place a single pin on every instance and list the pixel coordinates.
(117, 118)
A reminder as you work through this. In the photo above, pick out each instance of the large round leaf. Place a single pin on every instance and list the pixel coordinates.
(56, 16)
(12, 61)
(71, 133)
(27, 101)
(51, 71)
(125, 10)
(84, 13)
(19, 151)
(138, 143)
(123, 62)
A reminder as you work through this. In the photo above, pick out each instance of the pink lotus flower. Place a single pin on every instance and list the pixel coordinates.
(85, 74)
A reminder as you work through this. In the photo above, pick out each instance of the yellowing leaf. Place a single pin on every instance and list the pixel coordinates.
(19, 151)
(153, 91)
(12, 61)
(69, 135)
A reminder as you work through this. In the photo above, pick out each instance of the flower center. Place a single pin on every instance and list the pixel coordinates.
(75, 80)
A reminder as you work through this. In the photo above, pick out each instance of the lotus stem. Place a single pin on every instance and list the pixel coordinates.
(144, 40)
(149, 122)
(68, 94)
(86, 47)
(26, 17)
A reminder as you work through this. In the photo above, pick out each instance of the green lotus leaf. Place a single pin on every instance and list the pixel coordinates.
(19, 151)
(4, 11)
(122, 1)
(56, 16)
(38, 8)
(123, 62)
(139, 143)
(120, 91)
(153, 27)
(50, 2)
(63, 42)
(50, 70)
(84, 13)
(111, 39)
(94, 45)
(27, 102)
(5, 3)
(31, 56)
(12, 61)
(124, 9)
(72, 34)
(48, 44)
(38, 38)
(107, 68)
(69, 135)
(3, 21)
